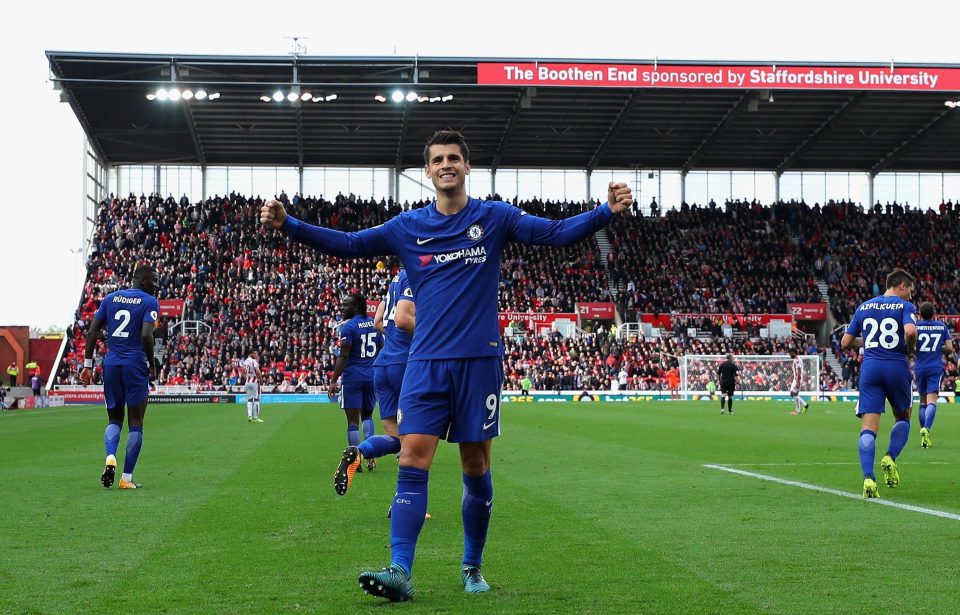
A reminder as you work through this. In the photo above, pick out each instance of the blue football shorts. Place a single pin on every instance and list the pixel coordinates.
(928, 380)
(358, 396)
(125, 384)
(387, 380)
(454, 399)
(882, 381)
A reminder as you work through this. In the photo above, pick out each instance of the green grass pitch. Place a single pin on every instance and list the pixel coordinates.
(600, 508)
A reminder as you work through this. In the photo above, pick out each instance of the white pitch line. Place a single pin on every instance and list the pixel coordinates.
(826, 463)
(844, 494)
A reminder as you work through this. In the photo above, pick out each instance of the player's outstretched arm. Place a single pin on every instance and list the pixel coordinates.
(540, 231)
(369, 242)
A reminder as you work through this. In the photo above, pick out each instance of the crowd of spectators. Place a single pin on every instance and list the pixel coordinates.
(736, 259)
(600, 361)
(255, 289)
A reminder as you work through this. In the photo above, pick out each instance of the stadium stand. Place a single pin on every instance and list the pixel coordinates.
(252, 288)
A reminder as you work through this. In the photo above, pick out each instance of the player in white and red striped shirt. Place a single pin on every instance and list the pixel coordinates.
(799, 404)
(252, 375)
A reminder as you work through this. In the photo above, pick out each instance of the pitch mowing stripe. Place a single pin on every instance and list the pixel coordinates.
(41, 412)
(854, 496)
(829, 463)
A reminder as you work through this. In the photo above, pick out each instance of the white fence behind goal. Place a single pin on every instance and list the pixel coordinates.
(758, 373)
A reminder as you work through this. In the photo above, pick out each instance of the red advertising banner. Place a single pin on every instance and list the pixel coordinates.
(596, 311)
(666, 320)
(704, 76)
(534, 321)
(171, 307)
(808, 311)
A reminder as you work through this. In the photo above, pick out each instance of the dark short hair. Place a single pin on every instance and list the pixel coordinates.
(143, 271)
(926, 310)
(729, 357)
(898, 277)
(793, 352)
(359, 300)
(446, 137)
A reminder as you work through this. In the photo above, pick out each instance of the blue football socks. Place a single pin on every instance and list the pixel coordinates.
(379, 446)
(868, 449)
(930, 415)
(476, 508)
(134, 442)
(111, 438)
(922, 414)
(406, 517)
(898, 437)
(353, 435)
(368, 428)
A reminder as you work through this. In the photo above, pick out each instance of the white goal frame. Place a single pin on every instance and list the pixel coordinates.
(698, 369)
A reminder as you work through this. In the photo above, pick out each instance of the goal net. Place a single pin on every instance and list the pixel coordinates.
(758, 373)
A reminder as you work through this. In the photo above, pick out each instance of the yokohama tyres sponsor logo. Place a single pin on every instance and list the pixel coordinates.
(469, 256)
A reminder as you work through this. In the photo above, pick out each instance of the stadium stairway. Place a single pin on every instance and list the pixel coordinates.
(832, 360)
(834, 363)
(603, 242)
(825, 295)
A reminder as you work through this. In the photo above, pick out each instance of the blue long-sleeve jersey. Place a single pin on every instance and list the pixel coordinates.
(453, 264)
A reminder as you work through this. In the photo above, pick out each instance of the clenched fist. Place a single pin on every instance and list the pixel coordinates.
(619, 197)
(272, 214)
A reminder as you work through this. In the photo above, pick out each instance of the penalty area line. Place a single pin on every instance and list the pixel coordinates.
(843, 494)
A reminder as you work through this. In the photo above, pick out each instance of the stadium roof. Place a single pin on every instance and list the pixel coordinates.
(550, 125)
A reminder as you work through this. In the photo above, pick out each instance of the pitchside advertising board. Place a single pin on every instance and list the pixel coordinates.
(96, 397)
(707, 76)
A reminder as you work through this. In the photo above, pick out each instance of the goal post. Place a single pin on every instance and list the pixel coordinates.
(758, 375)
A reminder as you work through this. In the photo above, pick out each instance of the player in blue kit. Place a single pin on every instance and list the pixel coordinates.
(451, 251)
(886, 328)
(395, 318)
(359, 344)
(933, 341)
(129, 316)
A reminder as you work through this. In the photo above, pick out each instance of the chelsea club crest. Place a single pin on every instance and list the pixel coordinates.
(475, 232)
